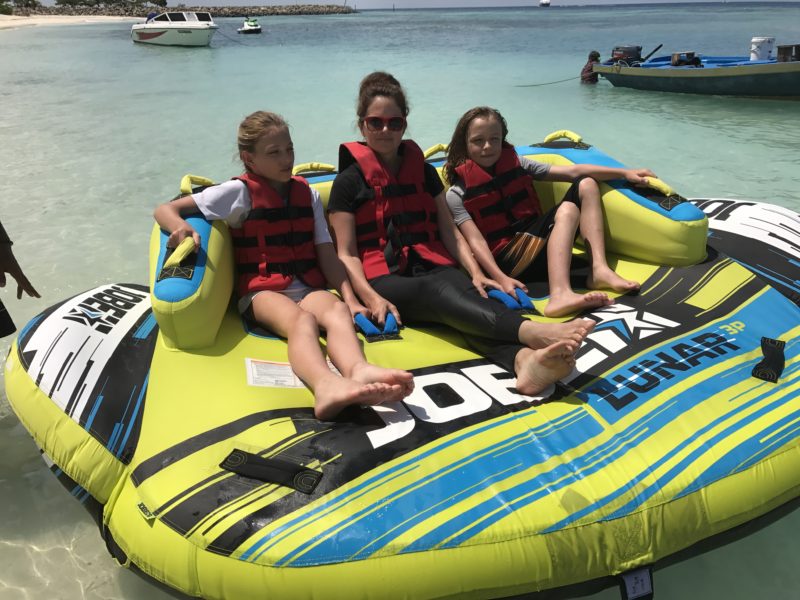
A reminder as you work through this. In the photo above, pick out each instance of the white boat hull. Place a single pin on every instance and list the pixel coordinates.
(173, 36)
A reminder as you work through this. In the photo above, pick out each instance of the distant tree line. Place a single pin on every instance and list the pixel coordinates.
(139, 8)
(108, 3)
(8, 7)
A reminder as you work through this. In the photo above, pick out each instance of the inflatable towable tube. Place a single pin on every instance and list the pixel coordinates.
(654, 225)
(680, 421)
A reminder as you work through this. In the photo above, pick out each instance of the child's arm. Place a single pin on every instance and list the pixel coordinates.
(572, 172)
(485, 258)
(458, 247)
(329, 262)
(475, 240)
(169, 216)
(335, 273)
(344, 228)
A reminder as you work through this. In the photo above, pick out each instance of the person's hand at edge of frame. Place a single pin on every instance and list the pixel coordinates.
(9, 264)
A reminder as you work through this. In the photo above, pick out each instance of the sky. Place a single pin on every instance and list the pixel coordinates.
(474, 3)
(387, 4)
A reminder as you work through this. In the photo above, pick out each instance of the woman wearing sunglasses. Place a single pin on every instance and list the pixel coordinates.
(398, 243)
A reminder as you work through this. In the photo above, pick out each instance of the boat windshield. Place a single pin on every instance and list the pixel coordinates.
(204, 17)
(177, 16)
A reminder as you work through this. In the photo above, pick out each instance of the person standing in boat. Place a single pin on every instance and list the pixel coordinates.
(397, 241)
(486, 174)
(587, 73)
(284, 255)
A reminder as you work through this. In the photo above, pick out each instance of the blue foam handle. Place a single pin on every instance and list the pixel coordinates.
(506, 299)
(524, 300)
(366, 326)
(390, 326)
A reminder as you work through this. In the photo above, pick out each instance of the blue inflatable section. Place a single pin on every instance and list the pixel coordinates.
(681, 212)
(175, 289)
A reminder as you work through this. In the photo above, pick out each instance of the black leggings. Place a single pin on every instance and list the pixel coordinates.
(446, 295)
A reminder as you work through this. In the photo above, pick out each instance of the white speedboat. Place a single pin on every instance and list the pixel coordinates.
(250, 25)
(175, 29)
(544, 3)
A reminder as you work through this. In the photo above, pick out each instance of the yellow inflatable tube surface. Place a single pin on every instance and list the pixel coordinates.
(661, 437)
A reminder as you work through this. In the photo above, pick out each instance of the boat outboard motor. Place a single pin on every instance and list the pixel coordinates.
(626, 54)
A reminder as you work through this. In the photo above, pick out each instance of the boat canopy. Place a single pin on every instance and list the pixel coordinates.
(180, 17)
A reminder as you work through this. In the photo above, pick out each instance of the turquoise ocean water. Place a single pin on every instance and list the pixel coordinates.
(95, 131)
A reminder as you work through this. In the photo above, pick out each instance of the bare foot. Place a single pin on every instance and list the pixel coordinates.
(538, 369)
(368, 373)
(606, 279)
(570, 302)
(334, 393)
(540, 335)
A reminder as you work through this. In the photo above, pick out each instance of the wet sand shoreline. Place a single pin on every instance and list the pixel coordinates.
(13, 22)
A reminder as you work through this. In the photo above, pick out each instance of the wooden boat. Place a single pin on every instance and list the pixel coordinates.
(693, 73)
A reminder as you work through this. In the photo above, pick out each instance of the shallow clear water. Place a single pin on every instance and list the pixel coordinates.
(96, 130)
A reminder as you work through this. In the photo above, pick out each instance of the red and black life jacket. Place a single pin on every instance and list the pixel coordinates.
(497, 202)
(275, 243)
(398, 214)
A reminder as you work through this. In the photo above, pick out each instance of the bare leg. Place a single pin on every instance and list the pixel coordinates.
(563, 299)
(602, 276)
(331, 392)
(538, 369)
(345, 350)
(541, 335)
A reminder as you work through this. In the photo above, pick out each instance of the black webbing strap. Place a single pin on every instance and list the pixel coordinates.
(505, 205)
(395, 190)
(410, 217)
(396, 241)
(499, 234)
(291, 238)
(771, 366)
(670, 202)
(185, 270)
(495, 184)
(393, 248)
(285, 213)
(418, 237)
(665, 202)
(272, 470)
(297, 267)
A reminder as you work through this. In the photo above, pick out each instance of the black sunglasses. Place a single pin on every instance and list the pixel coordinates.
(379, 123)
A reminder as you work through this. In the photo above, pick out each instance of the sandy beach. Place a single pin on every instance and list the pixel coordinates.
(11, 22)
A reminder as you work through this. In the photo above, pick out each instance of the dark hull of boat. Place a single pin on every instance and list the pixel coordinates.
(732, 81)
